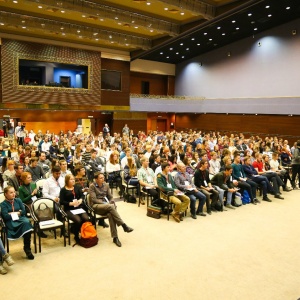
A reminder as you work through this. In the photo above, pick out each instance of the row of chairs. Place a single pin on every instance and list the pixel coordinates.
(49, 225)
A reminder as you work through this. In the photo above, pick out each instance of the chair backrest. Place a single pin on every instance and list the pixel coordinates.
(2, 197)
(36, 203)
(88, 200)
(40, 183)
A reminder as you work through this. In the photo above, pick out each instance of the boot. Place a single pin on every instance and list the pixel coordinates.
(3, 271)
(27, 249)
(8, 259)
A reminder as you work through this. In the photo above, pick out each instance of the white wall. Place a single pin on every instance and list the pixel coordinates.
(269, 71)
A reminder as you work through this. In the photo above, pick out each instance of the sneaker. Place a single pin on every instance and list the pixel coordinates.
(194, 216)
(8, 259)
(230, 206)
(3, 271)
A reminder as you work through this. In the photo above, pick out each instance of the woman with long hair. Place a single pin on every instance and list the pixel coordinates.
(113, 169)
(10, 171)
(71, 198)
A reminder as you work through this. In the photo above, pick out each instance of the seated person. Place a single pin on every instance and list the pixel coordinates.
(146, 179)
(188, 164)
(4, 257)
(80, 178)
(95, 164)
(71, 198)
(202, 182)
(286, 157)
(183, 182)
(100, 197)
(34, 169)
(214, 164)
(20, 226)
(15, 180)
(127, 155)
(113, 169)
(244, 183)
(156, 162)
(28, 190)
(10, 171)
(166, 183)
(252, 174)
(222, 180)
(130, 172)
(280, 171)
(44, 163)
(265, 170)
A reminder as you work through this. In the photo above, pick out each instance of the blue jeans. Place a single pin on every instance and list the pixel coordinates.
(194, 195)
(2, 250)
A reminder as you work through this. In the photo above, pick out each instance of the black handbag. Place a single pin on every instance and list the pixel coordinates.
(44, 214)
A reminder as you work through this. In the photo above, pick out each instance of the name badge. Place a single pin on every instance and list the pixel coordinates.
(205, 183)
(230, 178)
(242, 174)
(149, 179)
(186, 183)
(14, 216)
(33, 198)
(169, 185)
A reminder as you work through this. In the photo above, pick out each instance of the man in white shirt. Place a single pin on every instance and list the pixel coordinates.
(64, 171)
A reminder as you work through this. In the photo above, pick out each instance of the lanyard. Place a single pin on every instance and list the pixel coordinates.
(11, 202)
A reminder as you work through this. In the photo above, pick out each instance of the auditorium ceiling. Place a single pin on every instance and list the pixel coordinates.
(160, 30)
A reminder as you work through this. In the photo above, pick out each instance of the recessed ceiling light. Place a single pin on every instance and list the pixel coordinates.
(270, 16)
(148, 3)
(181, 44)
(192, 39)
(268, 6)
(233, 21)
(116, 18)
(119, 23)
(126, 44)
(40, 6)
(168, 57)
(15, 1)
(136, 27)
(63, 33)
(80, 36)
(249, 15)
(24, 27)
(223, 33)
(288, 7)
(95, 33)
(187, 49)
(182, 56)
(166, 8)
(23, 21)
(182, 13)
(237, 28)
(2, 24)
(198, 44)
(255, 28)
(177, 53)
(78, 31)
(110, 36)
(96, 39)
(151, 30)
(219, 27)
(61, 28)
(83, 16)
(112, 42)
(210, 39)
(62, 11)
(161, 53)
(101, 20)
(205, 33)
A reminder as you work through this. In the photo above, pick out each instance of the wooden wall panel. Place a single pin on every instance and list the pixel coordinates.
(115, 97)
(52, 126)
(261, 124)
(158, 84)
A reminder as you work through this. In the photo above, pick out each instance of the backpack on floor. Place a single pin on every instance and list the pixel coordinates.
(246, 198)
(88, 234)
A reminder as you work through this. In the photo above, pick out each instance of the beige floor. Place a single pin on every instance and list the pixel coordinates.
(249, 253)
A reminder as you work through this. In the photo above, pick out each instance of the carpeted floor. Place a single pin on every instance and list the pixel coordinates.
(248, 253)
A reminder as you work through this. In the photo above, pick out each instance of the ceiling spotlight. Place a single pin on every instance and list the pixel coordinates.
(268, 6)
(148, 3)
(192, 39)
(219, 27)
(270, 16)
(166, 8)
(182, 56)
(187, 49)
(78, 31)
(288, 8)
(255, 29)
(2, 24)
(237, 28)
(168, 57)
(95, 33)
(210, 39)
(182, 13)
(62, 11)
(83, 16)
(205, 33)
(161, 53)
(40, 6)
(249, 15)
(233, 21)
(198, 44)
(223, 33)
(171, 49)
(181, 44)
